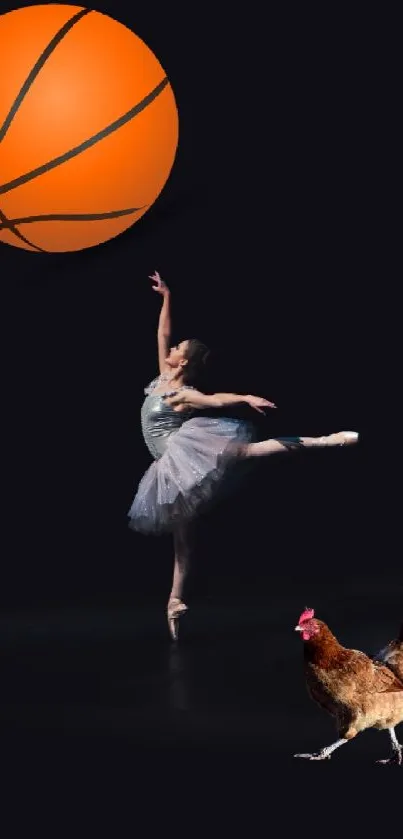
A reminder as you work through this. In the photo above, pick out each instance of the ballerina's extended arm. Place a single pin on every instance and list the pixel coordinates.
(164, 323)
(191, 398)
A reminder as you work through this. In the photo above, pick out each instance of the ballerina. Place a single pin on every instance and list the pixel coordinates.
(194, 457)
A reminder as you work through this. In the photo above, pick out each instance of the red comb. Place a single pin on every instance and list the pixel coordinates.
(307, 615)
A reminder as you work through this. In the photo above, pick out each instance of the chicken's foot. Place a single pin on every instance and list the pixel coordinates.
(397, 750)
(324, 753)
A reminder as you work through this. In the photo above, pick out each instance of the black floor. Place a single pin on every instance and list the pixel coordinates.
(104, 719)
(233, 685)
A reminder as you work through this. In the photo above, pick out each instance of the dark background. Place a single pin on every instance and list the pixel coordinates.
(265, 233)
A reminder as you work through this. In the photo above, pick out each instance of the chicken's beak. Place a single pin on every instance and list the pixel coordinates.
(297, 629)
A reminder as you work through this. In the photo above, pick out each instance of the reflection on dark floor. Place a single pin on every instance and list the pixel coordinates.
(234, 683)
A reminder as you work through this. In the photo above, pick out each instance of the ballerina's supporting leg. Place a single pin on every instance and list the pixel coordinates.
(278, 445)
(176, 607)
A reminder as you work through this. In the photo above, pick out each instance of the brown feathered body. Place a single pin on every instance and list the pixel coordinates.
(358, 692)
(392, 655)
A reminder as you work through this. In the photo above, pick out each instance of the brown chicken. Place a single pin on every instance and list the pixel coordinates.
(392, 655)
(357, 692)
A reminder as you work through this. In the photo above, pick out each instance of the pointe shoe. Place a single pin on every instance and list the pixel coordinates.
(341, 438)
(176, 608)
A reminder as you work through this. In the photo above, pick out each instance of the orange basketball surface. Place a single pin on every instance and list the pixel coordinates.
(88, 128)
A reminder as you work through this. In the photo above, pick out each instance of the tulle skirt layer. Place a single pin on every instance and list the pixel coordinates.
(201, 464)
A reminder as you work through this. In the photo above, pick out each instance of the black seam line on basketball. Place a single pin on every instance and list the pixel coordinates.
(37, 67)
(73, 216)
(63, 158)
(7, 224)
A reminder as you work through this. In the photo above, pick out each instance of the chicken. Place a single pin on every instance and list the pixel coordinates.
(392, 655)
(358, 692)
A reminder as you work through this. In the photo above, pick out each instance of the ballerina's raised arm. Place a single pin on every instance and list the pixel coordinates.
(164, 322)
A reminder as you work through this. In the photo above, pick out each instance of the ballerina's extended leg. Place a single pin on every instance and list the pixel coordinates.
(278, 445)
(176, 607)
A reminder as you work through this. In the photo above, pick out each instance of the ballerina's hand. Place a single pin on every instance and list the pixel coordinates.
(258, 403)
(159, 286)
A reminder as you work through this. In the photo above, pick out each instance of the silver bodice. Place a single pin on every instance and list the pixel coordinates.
(159, 420)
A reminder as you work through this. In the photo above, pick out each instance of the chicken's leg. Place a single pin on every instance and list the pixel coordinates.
(325, 752)
(397, 750)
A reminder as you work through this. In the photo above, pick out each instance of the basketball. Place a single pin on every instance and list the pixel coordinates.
(88, 128)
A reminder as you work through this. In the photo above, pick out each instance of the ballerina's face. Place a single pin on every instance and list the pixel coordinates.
(177, 355)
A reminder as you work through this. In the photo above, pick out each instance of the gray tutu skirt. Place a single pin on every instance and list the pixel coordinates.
(200, 465)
